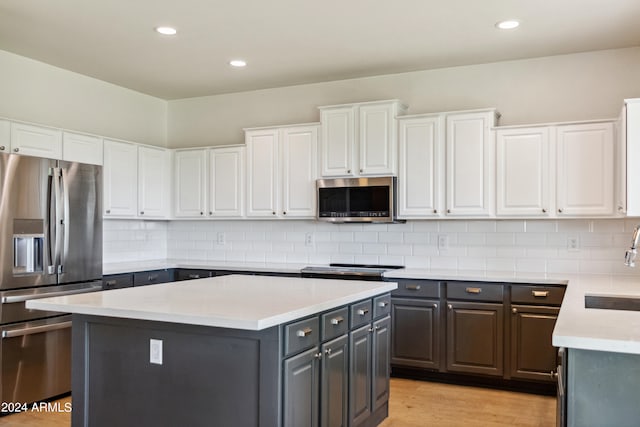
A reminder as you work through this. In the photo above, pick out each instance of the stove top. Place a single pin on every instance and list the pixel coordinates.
(348, 271)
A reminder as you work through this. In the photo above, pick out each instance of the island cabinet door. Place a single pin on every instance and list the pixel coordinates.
(381, 359)
(334, 384)
(360, 367)
(475, 337)
(301, 376)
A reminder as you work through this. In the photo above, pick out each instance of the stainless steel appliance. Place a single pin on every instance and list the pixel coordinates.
(348, 271)
(50, 245)
(357, 199)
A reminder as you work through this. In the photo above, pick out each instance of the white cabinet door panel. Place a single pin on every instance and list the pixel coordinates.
(82, 148)
(36, 141)
(338, 141)
(377, 139)
(262, 173)
(153, 183)
(190, 176)
(226, 182)
(299, 172)
(120, 178)
(5, 136)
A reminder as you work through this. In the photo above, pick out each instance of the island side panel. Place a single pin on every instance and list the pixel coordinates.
(209, 376)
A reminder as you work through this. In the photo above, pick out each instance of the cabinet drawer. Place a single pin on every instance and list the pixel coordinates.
(545, 295)
(475, 291)
(152, 277)
(335, 323)
(360, 313)
(117, 281)
(417, 288)
(301, 335)
(381, 306)
(190, 274)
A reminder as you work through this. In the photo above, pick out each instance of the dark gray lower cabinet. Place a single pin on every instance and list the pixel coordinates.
(301, 376)
(334, 383)
(475, 337)
(415, 333)
(533, 357)
(369, 352)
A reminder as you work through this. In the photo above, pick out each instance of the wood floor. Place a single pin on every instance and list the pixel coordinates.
(412, 404)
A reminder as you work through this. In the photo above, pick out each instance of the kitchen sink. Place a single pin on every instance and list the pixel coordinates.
(612, 302)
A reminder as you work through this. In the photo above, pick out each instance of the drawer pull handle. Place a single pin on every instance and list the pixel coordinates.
(413, 287)
(154, 277)
(110, 282)
(473, 290)
(383, 304)
(540, 294)
(363, 311)
(337, 320)
(304, 332)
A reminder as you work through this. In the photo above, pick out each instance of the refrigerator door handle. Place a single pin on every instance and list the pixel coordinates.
(63, 219)
(51, 235)
(59, 215)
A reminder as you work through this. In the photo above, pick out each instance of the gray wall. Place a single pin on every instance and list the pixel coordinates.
(36, 92)
(582, 86)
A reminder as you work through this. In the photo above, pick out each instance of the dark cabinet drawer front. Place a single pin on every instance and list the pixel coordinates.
(417, 288)
(117, 281)
(193, 274)
(381, 306)
(474, 291)
(335, 323)
(360, 313)
(152, 277)
(545, 295)
(301, 335)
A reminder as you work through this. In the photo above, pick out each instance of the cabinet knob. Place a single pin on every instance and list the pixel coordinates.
(348, 170)
(435, 211)
(201, 213)
(2, 147)
(435, 305)
(318, 355)
(273, 213)
(370, 329)
(361, 170)
(284, 213)
(544, 210)
(141, 212)
(210, 213)
(514, 310)
(553, 375)
(450, 307)
(327, 351)
(448, 210)
(108, 211)
(16, 149)
(620, 208)
(559, 210)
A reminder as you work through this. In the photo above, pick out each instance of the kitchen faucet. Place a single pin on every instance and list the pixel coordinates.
(630, 255)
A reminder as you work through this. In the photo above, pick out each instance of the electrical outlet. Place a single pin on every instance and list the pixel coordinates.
(155, 352)
(573, 244)
(443, 242)
(220, 238)
(308, 239)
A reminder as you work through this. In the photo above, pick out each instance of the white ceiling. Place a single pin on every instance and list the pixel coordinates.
(288, 42)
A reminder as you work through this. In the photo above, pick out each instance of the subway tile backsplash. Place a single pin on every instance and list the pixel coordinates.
(471, 246)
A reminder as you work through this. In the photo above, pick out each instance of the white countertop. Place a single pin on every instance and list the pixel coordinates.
(235, 301)
(131, 267)
(487, 276)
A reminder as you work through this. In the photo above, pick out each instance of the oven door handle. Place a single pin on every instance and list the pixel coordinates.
(23, 298)
(35, 330)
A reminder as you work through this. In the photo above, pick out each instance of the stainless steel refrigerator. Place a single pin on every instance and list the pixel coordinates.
(50, 245)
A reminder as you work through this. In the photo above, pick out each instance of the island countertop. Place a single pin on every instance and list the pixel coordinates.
(234, 301)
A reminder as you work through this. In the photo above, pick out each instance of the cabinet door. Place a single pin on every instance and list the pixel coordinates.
(522, 173)
(337, 141)
(415, 333)
(120, 178)
(153, 182)
(190, 182)
(475, 337)
(262, 173)
(361, 369)
(82, 148)
(334, 384)
(470, 163)
(381, 359)
(420, 179)
(36, 141)
(298, 152)
(5, 136)
(300, 390)
(226, 182)
(532, 354)
(377, 138)
(585, 169)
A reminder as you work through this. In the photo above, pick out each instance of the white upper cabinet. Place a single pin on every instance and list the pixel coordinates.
(470, 152)
(281, 171)
(82, 148)
(120, 178)
(190, 175)
(523, 175)
(226, 182)
(421, 166)
(154, 170)
(298, 154)
(37, 141)
(585, 169)
(359, 139)
(5, 136)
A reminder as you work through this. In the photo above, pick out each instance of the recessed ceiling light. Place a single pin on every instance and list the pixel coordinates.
(508, 25)
(167, 31)
(238, 63)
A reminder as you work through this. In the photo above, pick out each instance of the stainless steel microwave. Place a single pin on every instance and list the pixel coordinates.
(357, 199)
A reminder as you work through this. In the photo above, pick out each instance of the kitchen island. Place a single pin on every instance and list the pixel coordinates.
(230, 351)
